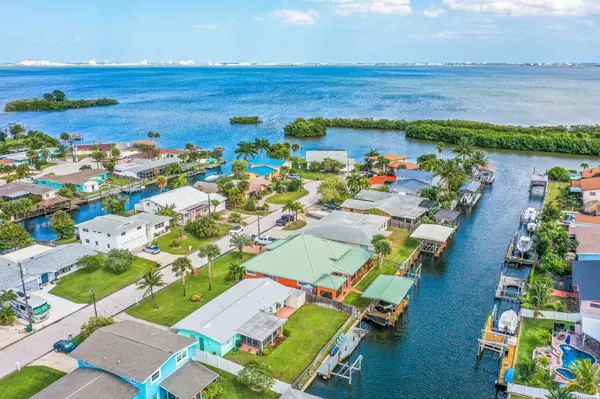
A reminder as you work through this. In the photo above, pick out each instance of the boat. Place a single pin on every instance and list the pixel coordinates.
(524, 244)
(213, 177)
(508, 322)
(531, 227)
(530, 215)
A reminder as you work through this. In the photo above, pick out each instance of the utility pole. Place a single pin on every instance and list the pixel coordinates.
(93, 295)
(25, 295)
(258, 226)
(208, 204)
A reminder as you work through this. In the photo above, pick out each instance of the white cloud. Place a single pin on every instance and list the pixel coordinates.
(297, 17)
(204, 26)
(383, 7)
(434, 12)
(519, 8)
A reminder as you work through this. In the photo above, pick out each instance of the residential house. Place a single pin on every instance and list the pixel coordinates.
(107, 232)
(266, 168)
(131, 360)
(337, 155)
(19, 189)
(395, 163)
(405, 211)
(590, 192)
(162, 153)
(244, 316)
(588, 242)
(316, 265)
(580, 219)
(349, 228)
(206, 187)
(190, 203)
(408, 186)
(86, 149)
(86, 181)
(589, 173)
(257, 185)
(21, 157)
(586, 285)
(143, 168)
(430, 178)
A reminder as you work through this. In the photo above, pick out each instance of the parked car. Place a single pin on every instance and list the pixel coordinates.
(332, 206)
(295, 176)
(284, 220)
(236, 230)
(65, 346)
(263, 240)
(152, 249)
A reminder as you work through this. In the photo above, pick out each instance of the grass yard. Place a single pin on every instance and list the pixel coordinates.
(64, 241)
(308, 329)
(165, 241)
(119, 181)
(355, 299)
(76, 287)
(233, 390)
(554, 190)
(173, 306)
(297, 225)
(402, 245)
(306, 174)
(27, 382)
(282, 198)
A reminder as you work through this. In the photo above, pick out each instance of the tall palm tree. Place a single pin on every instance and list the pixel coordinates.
(180, 181)
(354, 183)
(289, 206)
(210, 252)
(478, 158)
(584, 166)
(372, 153)
(161, 182)
(464, 147)
(239, 241)
(181, 267)
(556, 392)
(32, 155)
(381, 163)
(152, 279)
(528, 371)
(586, 377)
(540, 297)
(64, 136)
(441, 146)
(297, 208)
(261, 145)
(295, 148)
(383, 247)
(449, 170)
(245, 150)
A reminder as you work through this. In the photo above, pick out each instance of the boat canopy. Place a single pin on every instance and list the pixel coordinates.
(432, 232)
(391, 289)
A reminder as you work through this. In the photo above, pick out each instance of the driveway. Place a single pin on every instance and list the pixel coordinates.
(60, 308)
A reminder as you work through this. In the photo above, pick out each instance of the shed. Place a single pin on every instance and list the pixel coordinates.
(296, 299)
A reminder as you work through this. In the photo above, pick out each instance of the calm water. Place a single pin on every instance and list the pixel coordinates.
(432, 352)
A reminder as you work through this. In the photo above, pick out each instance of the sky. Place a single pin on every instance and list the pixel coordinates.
(301, 30)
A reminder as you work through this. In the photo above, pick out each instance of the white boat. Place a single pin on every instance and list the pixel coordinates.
(524, 244)
(531, 227)
(530, 215)
(508, 322)
(212, 177)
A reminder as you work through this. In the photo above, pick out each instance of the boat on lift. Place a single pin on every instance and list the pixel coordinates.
(508, 322)
(524, 244)
(529, 215)
(531, 227)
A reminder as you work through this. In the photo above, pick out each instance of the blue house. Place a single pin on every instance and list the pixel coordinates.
(86, 181)
(273, 163)
(131, 360)
(428, 178)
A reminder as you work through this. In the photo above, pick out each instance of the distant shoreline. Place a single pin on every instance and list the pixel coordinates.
(316, 65)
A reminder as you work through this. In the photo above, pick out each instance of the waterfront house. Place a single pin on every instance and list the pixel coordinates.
(588, 242)
(266, 168)
(395, 163)
(131, 360)
(143, 168)
(408, 187)
(19, 189)
(190, 203)
(586, 286)
(589, 173)
(337, 155)
(107, 232)
(390, 298)
(243, 317)
(405, 211)
(429, 178)
(87, 149)
(590, 193)
(206, 187)
(86, 181)
(349, 228)
(316, 265)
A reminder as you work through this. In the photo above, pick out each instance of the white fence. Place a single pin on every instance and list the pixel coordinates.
(233, 368)
(531, 392)
(549, 314)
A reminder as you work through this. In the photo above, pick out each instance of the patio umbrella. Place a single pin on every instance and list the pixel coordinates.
(568, 340)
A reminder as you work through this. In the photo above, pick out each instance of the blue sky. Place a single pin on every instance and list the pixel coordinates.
(302, 30)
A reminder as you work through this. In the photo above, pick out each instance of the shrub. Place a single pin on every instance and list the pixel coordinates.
(558, 173)
(213, 390)
(293, 185)
(554, 264)
(235, 218)
(204, 227)
(255, 375)
(197, 297)
(543, 361)
(216, 215)
(175, 243)
(119, 260)
(315, 166)
(94, 323)
(63, 225)
(91, 263)
(545, 336)
(313, 127)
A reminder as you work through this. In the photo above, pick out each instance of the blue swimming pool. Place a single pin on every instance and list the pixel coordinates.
(568, 374)
(569, 357)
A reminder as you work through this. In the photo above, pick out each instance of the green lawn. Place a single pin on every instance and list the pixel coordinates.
(27, 382)
(297, 225)
(402, 245)
(119, 181)
(69, 240)
(76, 287)
(309, 329)
(165, 241)
(233, 390)
(174, 307)
(355, 299)
(282, 198)
(314, 175)
(554, 190)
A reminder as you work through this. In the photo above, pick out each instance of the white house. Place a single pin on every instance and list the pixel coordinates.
(190, 203)
(337, 155)
(590, 189)
(104, 233)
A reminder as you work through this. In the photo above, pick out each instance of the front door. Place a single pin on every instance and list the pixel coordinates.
(44, 278)
(201, 343)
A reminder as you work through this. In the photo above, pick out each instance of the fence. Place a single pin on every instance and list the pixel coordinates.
(549, 314)
(331, 304)
(233, 368)
(531, 392)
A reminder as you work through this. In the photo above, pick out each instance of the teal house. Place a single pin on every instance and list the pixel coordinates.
(245, 316)
(86, 181)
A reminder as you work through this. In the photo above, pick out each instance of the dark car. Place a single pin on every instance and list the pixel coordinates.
(65, 346)
(332, 206)
(284, 220)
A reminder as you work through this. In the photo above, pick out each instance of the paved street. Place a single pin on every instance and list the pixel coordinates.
(38, 344)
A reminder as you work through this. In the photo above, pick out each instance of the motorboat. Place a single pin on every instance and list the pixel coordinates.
(531, 227)
(530, 215)
(508, 322)
(213, 177)
(524, 244)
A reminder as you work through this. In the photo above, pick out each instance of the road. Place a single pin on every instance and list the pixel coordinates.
(39, 343)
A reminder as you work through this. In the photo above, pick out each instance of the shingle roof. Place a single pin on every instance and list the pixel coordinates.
(390, 157)
(307, 259)
(392, 289)
(130, 349)
(24, 188)
(588, 238)
(586, 276)
(184, 198)
(277, 163)
(348, 227)
(412, 185)
(261, 170)
(112, 223)
(189, 380)
(590, 184)
(86, 383)
(447, 215)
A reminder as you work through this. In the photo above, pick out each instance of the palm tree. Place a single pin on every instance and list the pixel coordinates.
(540, 297)
(161, 182)
(449, 170)
(354, 183)
(245, 150)
(7, 296)
(295, 148)
(381, 163)
(180, 181)
(98, 156)
(557, 392)
(152, 279)
(372, 153)
(210, 252)
(297, 208)
(478, 158)
(45, 153)
(464, 147)
(32, 155)
(528, 371)
(239, 241)
(441, 146)
(584, 166)
(64, 136)
(261, 145)
(181, 267)
(215, 203)
(289, 206)
(586, 377)
(383, 247)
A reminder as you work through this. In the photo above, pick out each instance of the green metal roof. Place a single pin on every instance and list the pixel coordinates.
(309, 259)
(329, 281)
(392, 289)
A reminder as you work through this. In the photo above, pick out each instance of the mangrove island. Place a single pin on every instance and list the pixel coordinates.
(245, 120)
(57, 100)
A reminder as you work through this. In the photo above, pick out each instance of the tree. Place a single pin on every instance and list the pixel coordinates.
(586, 377)
(283, 172)
(295, 148)
(152, 279)
(235, 218)
(239, 241)
(148, 150)
(161, 182)
(210, 252)
(7, 313)
(64, 136)
(115, 153)
(85, 167)
(584, 166)
(452, 173)
(91, 263)
(540, 297)
(478, 158)
(16, 129)
(59, 95)
(63, 225)
(236, 271)
(94, 323)
(558, 173)
(381, 163)
(256, 375)
(279, 151)
(332, 189)
(98, 156)
(205, 226)
(551, 213)
(551, 236)
(528, 371)
(180, 181)
(13, 236)
(181, 267)
(356, 183)
(238, 167)
(441, 146)
(215, 203)
(245, 150)
(217, 152)
(383, 247)
(464, 147)
(554, 264)
(313, 127)
(261, 145)
(119, 260)
(557, 392)
(115, 205)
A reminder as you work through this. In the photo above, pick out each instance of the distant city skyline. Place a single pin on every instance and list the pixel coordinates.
(303, 31)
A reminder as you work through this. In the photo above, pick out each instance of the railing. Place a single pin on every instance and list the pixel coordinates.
(331, 304)
(549, 314)
(531, 392)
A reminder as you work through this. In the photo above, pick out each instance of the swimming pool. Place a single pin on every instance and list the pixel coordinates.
(570, 356)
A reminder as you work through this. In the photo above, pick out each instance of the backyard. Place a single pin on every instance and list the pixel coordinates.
(283, 198)
(166, 240)
(174, 307)
(27, 382)
(554, 190)
(77, 286)
(402, 245)
(309, 175)
(308, 330)
(233, 390)
(355, 299)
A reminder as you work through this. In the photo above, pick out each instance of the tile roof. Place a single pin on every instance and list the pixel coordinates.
(586, 276)
(590, 184)
(189, 380)
(587, 219)
(381, 179)
(575, 183)
(390, 157)
(586, 174)
(206, 187)
(588, 238)
(21, 186)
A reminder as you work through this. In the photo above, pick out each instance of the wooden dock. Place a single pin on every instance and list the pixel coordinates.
(329, 367)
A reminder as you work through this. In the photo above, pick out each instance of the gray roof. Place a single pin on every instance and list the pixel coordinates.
(85, 383)
(408, 185)
(130, 349)
(294, 394)
(145, 165)
(261, 326)
(19, 188)
(221, 318)
(405, 206)
(348, 227)
(112, 224)
(373, 195)
(471, 186)
(189, 380)
(151, 218)
(447, 215)
(414, 174)
(586, 276)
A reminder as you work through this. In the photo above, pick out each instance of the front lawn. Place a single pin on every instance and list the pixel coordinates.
(233, 390)
(77, 286)
(306, 174)
(64, 241)
(165, 241)
(174, 307)
(297, 225)
(402, 245)
(355, 299)
(308, 330)
(283, 198)
(27, 382)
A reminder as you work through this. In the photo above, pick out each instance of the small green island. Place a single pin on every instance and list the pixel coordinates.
(55, 101)
(245, 120)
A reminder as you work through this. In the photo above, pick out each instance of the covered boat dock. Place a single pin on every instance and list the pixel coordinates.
(434, 237)
(390, 297)
(445, 217)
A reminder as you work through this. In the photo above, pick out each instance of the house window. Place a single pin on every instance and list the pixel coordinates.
(107, 245)
(87, 241)
(96, 242)
(595, 305)
(160, 225)
(123, 233)
(86, 230)
(248, 272)
(593, 194)
(155, 377)
(181, 356)
(139, 227)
